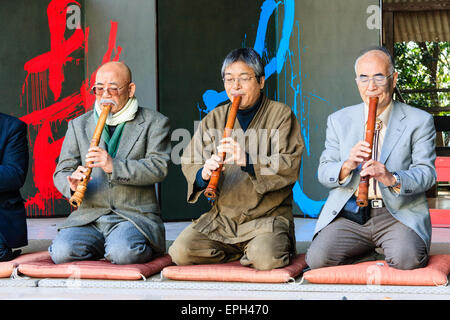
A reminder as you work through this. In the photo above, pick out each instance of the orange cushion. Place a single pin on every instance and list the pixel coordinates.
(379, 273)
(7, 267)
(234, 271)
(93, 269)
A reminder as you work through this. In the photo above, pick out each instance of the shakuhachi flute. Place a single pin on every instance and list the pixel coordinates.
(211, 190)
(77, 197)
(363, 190)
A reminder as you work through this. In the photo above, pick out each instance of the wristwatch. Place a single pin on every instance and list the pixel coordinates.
(397, 180)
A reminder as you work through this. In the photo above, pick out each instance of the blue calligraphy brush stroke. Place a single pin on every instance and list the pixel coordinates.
(288, 24)
(317, 97)
(301, 109)
(267, 9)
(212, 98)
(309, 207)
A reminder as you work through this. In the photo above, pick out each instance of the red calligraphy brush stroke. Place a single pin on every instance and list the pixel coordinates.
(50, 65)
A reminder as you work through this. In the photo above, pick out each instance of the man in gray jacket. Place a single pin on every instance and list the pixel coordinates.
(119, 218)
(400, 171)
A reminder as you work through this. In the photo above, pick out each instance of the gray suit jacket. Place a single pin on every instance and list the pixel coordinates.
(408, 149)
(141, 161)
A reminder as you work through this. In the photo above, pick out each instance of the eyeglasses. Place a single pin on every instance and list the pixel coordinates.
(242, 80)
(379, 80)
(113, 91)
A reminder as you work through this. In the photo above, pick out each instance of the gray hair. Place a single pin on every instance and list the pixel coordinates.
(247, 55)
(381, 49)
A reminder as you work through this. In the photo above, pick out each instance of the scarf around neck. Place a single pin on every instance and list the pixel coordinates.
(127, 113)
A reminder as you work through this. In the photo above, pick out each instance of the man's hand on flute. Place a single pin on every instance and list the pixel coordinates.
(359, 151)
(235, 154)
(378, 171)
(76, 177)
(99, 158)
(210, 165)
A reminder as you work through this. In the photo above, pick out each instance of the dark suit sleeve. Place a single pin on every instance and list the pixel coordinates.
(14, 163)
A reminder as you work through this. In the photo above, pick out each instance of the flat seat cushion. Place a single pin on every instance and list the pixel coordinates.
(235, 272)
(7, 267)
(379, 273)
(93, 269)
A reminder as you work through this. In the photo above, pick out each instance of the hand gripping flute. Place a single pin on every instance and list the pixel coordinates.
(77, 197)
(211, 189)
(362, 201)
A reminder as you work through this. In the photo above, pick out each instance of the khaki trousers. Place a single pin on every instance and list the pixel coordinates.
(266, 251)
(344, 241)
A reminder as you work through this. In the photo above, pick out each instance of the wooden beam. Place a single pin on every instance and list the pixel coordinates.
(414, 6)
(388, 25)
(435, 109)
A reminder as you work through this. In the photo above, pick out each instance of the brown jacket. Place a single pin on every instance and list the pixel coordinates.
(248, 205)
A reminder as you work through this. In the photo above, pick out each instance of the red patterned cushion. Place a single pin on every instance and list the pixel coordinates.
(379, 273)
(90, 269)
(234, 271)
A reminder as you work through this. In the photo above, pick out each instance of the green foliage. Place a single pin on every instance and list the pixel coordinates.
(424, 65)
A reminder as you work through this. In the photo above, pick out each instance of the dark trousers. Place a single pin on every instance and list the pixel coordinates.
(6, 253)
(344, 240)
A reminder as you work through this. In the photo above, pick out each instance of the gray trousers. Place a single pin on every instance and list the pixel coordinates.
(264, 252)
(344, 241)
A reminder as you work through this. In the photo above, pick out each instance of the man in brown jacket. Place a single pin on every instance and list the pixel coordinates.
(251, 218)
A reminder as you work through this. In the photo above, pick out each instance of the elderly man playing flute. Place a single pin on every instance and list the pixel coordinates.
(251, 216)
(400, 169)
(119, 217)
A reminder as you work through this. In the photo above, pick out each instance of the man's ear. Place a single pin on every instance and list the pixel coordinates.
(261, 82)
(132, 89)
(394, 79)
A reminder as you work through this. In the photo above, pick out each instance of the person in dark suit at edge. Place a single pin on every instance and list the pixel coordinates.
(13, 172)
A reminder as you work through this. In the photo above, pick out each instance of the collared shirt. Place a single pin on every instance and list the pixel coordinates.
(384, 117)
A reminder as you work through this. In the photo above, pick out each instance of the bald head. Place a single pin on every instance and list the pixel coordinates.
(118, 67)
(114, 80)
(377, 53)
